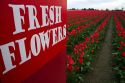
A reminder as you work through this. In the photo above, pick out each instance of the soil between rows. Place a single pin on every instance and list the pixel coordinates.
(102, 68)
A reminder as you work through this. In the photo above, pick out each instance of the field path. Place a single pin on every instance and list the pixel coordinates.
(102, 72)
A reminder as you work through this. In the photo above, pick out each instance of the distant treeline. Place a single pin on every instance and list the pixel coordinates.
(122, 9)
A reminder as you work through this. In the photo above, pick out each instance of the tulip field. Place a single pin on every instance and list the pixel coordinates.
(86, 37)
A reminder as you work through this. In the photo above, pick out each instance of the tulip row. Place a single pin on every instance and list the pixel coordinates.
(82, 21)
(79, 34)
(122, 18)
(119, 50)
(82, 26)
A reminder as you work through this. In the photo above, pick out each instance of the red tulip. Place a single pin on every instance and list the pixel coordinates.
(120, 48)
(73, 32)
(70, 68)
(80, 60)
(70, 60)
(123, 54)
(92, 51)
(81, 56)
(87, 40)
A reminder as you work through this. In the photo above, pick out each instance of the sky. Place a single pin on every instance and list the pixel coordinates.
(97, 4)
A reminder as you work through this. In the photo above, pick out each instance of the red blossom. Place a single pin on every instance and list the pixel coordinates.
(87, 40)
(84, 44)
(93, 40)
(120, 48)
(123, 54)
(80, 60)
(70, 68)
(73, 32)
(70, 60)
(76, 49)
(81, 56)
(123, 44)
(92, 51)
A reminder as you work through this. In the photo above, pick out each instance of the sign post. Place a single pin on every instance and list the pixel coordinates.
(32, 35)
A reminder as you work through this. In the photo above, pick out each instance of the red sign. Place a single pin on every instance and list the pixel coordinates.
(32, 32)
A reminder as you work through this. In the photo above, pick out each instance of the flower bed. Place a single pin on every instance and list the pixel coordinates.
(82, 48)
(119, 50)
